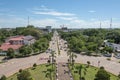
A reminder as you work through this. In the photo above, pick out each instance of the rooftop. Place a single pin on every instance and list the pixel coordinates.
(6, 46)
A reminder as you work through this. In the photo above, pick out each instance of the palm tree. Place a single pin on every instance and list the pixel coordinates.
(52, 56)
(80, 68)
(69, 54)
(119, 75)
(88, 62)
(71, 57)
(49, 73)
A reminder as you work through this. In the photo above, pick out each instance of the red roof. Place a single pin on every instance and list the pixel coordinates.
(16, 38)
(6, 46)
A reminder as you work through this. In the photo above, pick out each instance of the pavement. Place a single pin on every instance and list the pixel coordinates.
(63, 72)
(13, 65)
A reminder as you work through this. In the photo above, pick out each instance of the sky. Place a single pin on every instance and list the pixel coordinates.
(59, 13)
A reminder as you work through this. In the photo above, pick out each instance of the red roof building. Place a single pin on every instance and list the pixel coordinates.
(15, 42)
(6, 46)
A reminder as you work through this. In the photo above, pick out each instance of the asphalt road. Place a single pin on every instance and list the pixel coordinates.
(13, 65)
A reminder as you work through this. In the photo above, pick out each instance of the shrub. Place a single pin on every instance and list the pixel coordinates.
(109, 59)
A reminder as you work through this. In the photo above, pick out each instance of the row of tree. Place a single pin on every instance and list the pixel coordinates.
(90, 40)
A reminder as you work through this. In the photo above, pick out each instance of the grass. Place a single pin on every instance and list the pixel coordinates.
(90, 73)
(39, 73)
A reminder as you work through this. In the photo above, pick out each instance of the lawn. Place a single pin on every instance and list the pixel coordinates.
(39, 73)
(90, 73)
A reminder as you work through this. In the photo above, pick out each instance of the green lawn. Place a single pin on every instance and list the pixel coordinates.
(37, 74)
(90, 73)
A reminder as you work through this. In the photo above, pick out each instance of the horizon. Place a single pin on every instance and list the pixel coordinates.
(76, 14)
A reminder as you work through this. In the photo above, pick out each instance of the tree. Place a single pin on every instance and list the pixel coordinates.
(24, 75)
(73, 60)
(108, 49)
(3, 78)
(119, 75)
(71, 57)
(34, 65)
(53, 56)
(88, 62)
(69, 54)
(80, 68)
(10, 53)
(49, 73)
(102, 75)
(25, 50)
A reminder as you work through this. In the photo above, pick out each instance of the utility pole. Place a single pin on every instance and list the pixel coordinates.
(111, 23)
(100, 24)
(28, 20)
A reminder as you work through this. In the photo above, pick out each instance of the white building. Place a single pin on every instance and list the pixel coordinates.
(28, 40)
(49, 28)
(116, 47)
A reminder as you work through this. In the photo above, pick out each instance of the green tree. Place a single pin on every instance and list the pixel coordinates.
(102, 75)
(119, 75)
(88, 62)
(71, 57)
(3, 78)
(108, 49)
(34, 65)
(25, 50)
(49, 73)
(53, 58)
(80, 68)
(10, 53)
(24, 75)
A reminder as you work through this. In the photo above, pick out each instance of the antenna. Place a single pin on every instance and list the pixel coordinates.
(100, 24)
(111, 23)
(28, 20)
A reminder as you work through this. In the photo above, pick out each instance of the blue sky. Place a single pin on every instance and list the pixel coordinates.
(70, 13)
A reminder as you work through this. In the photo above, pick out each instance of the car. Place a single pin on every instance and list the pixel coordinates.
(107, 55)
(118, 57)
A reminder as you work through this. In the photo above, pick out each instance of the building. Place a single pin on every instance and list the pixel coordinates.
(28, 40)
(15, 42)
(49, 28)
(115, 47)
(64, 29)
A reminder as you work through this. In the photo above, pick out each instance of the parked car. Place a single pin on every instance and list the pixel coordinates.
(117, 56)
(107, 55)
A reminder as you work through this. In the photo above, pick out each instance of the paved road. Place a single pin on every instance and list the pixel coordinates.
(13, 65)
(111, 66)
(63, 72)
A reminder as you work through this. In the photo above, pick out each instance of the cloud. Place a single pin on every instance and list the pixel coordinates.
(12, 22)
(17, 22)
(67, 18)
(45, 22)
(53, 13)
(92, 24)
(43, 10)
(91, 11)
